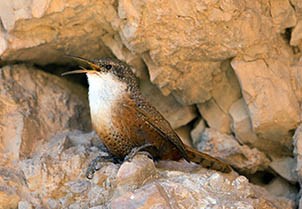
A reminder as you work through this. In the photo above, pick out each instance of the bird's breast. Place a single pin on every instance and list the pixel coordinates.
(105, 91)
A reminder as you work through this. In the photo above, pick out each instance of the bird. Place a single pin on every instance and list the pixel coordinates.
(127, 123)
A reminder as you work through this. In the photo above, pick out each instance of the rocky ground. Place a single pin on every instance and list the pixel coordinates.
(227, 74)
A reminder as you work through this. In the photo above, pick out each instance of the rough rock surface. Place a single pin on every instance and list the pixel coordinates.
(35, 105)
(273, 106)
(178, 115)
(226, 147)
(229, 65)
(135, 184)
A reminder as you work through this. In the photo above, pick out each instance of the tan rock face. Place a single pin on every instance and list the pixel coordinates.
(226, 74)
(135, 184)
(34, 106)
(273, 106)
(226, 147)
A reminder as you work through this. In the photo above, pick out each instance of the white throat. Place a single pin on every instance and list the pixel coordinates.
(104, 91)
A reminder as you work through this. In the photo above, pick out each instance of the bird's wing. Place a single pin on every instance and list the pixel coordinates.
(156, 121)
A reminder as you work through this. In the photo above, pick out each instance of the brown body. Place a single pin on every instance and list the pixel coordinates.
(129, 121)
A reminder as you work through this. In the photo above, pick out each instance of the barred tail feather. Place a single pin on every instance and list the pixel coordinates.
(207, 161)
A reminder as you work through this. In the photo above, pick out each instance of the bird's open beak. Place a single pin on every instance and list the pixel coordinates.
(92, 65)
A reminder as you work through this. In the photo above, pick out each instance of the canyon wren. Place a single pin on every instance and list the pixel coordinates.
(126, 122)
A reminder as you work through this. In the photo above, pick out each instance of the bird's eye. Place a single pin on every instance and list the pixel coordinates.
(108, 67)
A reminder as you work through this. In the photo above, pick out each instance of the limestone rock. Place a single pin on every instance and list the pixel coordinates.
(35, 105)
(184, 134)
(197, 131)
(41, 31)
(146, 197)
(272, 105)
(183, 190)
(226, 147)
(296, 38)
(10, 183)
(242, 127)
(54, 177)
(282, 188)
(187, 40)
(285, 167)
(136, 173)
(298, 151)
(56, 172)
(178, 115)
(215, 116)
(283, 14)
(226, 89)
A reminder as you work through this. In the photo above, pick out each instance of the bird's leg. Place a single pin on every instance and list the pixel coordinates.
(135, 150)
(93, 166)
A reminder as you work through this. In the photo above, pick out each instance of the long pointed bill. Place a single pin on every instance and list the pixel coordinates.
(91, 64)
(76, 72)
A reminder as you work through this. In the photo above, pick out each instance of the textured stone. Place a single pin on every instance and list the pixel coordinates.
(10, 184)
(195, 37)
(280, 187)
(186, 47)
(298, 151)
(134, 174)
(227, 89)
(184, 134)
(149, 196)
(24, 205)
(178, 115)
(55, 178)
(184, 190)
(215, 117)
(39, 30)
(241, 125)
(197, 131)
(35, 105)
(226, 147)
(296, 37)
(56, 172)
(272, 105)
(283, 14)
(285, 167)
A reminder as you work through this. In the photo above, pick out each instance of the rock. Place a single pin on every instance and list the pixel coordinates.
(24, 205)
(184, 134)
(136, 173)
(198, 190)
(214, 116)
(283, 14)
(146, 197)
(197, 131)
(187, 49)
(226, 89)
(296, 37)
(54, 177)
(280, 187)
(226, 147)
(11, 183)
(297, 142)
(285, 167)
(42, 31)
(178, 115)
(273, 107)
(225, 92)
(60, 166)
(35, 105)
(242, 127)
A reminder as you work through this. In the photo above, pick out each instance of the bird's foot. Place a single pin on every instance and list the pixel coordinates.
(95, 164)
(136, 150)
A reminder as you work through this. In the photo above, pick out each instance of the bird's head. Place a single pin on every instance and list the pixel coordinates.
(99, 69)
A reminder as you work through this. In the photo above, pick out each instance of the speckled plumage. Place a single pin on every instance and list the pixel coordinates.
(125, 120)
